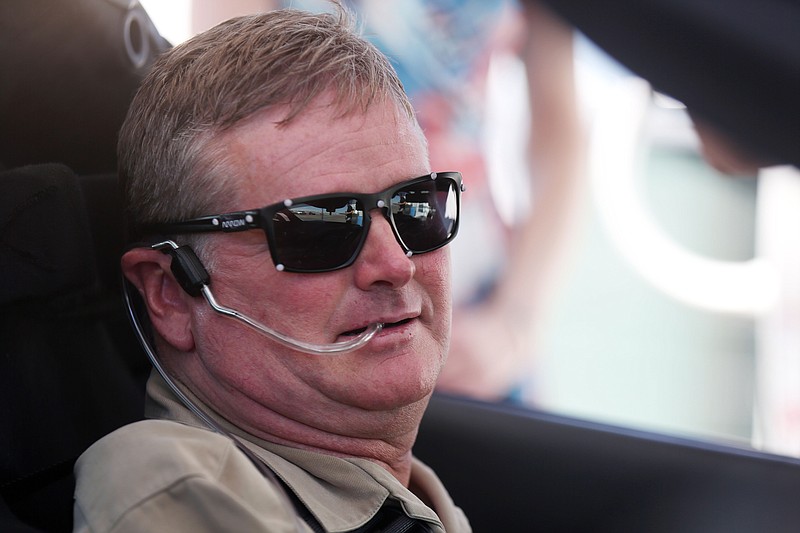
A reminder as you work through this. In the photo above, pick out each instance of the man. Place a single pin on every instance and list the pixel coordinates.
(270, 110)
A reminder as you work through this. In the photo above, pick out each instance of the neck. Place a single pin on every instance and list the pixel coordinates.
(382, 437)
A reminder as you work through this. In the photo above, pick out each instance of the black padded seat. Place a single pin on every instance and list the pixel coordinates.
(71, 369)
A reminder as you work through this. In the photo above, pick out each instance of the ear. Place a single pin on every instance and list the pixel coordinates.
(168, 306)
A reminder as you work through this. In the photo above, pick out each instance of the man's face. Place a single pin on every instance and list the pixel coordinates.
(250, 378)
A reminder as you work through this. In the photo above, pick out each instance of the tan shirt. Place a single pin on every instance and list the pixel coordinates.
(174, 475)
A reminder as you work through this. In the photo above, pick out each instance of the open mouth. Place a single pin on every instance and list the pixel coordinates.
(388, 325)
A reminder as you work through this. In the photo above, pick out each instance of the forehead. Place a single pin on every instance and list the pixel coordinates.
(321, 151)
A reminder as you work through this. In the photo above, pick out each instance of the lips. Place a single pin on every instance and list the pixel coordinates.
(386, 326)
(354, 332)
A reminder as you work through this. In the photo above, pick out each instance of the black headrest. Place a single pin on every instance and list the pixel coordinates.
(70, 69)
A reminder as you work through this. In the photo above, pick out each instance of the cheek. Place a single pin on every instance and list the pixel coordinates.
(297, 305)
(233, 369)
(433, 273)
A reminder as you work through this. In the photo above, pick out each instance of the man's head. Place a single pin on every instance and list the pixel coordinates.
(257, 111)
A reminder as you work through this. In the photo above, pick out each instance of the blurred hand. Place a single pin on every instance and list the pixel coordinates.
(489, 350)
(723, 154)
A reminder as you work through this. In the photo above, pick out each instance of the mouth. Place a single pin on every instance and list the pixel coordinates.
(387, 325)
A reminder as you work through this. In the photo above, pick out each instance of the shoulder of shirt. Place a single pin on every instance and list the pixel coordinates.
(171, 448)
(143, 460)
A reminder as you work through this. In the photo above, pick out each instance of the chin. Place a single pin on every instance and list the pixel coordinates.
(394, 395)
(384, 384)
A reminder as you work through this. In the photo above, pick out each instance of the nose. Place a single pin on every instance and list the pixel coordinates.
(382, 261)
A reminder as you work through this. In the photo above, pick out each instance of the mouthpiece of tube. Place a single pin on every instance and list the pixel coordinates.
(316, 349)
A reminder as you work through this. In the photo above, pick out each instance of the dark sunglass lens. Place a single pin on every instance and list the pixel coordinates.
(426, 214)
(320, 235)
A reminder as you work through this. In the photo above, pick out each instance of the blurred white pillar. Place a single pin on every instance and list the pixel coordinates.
(618, 146)
(777, 407)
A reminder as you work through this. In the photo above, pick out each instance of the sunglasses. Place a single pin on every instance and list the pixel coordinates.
(326, 232)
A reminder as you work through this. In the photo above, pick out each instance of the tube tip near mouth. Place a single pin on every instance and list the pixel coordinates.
(360, 331)
(360, 337)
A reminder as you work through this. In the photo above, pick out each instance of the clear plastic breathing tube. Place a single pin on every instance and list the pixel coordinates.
(194, 278)
(316, 349)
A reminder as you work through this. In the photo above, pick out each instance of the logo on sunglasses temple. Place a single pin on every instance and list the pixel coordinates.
(233, 223)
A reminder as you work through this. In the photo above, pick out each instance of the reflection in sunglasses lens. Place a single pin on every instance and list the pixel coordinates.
(319, 235)
(425, 214)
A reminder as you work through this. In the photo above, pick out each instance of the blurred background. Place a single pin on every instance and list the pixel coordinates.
(670, 302)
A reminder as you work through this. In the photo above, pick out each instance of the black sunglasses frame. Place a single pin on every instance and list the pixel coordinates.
(263, 219)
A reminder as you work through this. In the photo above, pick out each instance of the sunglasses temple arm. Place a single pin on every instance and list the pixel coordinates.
(311, 348)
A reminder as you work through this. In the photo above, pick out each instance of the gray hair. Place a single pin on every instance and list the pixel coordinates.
(168, 163)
